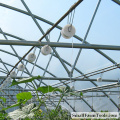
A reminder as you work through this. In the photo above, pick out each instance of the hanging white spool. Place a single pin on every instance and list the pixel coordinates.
(45, 50)
(66, 37)
(72, 88)
(99, 79)
(13, 74)
(31, 57)
(21, 67)
(68, 31)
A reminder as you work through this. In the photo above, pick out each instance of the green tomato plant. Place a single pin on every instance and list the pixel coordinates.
(31, 111)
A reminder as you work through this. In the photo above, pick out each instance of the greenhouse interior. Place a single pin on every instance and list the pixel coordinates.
(59, 58)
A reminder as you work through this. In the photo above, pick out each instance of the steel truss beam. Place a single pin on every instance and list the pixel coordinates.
(12, 89)
(60, 79)
(85, 76)
(59, 44)
(109, 86)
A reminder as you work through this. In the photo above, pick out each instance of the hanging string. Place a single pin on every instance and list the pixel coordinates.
(71, 64)
(25, 67)
(68, 19)
(74, 95)
(34, 49)
(49, 66)
(101, 75)
(119, 99)
(92, 101)
(35, 61)
(71, 17)
(15, 78)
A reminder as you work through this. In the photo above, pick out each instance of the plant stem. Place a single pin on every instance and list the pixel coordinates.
(36, 92)
(59, 102)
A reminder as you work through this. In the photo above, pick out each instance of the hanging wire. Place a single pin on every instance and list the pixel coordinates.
(70, 20)
(118, 98)
(35, 61)
(48, 69)
(71, 67)
(101, 75)
(16, 70)
(92, 101)
(71, 17)
(25, 67)
(74, 95)
(34, 49)
(71, 64)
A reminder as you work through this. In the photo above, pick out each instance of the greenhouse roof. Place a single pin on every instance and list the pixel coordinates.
(75, 43)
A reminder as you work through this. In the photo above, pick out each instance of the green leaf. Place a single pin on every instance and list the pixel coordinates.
(24, 96)
(24, 80)
(46, 89)
(4, 99)
(81, 94)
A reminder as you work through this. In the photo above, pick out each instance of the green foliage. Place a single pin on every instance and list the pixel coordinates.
(24, 80)
(4, 115)
(4, 99)
(22, 99)
(104, 111)
(46, 89)
(27, 111)
(81, 94)
(24, 96)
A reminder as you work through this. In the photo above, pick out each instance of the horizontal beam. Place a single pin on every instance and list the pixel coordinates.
(73, 79)
(109, 86)
(21, 90)
(56, 44)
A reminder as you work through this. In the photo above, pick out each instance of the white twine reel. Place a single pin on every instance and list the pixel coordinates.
(68, 31)
(72, 88)
(99, 79)
(66, 37)
(21, 67)
(13, 74)
(31, 57)
(45, 50)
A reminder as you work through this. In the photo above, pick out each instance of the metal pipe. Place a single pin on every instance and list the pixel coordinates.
(59, 44)
(60, 79)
